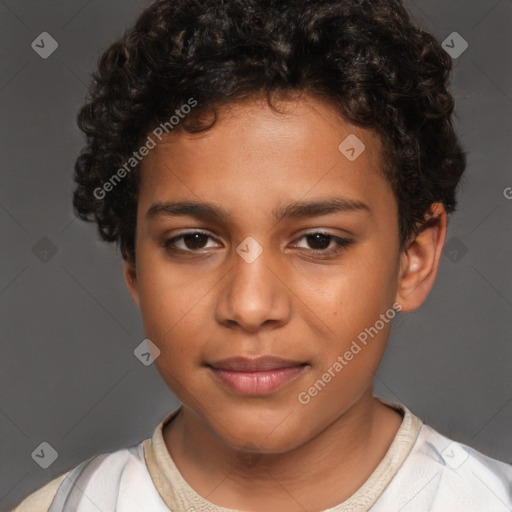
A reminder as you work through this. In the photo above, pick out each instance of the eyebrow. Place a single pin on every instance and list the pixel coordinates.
(209, 211)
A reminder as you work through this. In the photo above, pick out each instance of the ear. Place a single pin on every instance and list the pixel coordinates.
(419, 260)
(130, 277)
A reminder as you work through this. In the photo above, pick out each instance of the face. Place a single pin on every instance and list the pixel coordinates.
(289, 250)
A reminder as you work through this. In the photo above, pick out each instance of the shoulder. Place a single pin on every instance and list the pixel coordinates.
(109, 479)
(441, 474)
(40, 500)
(462, 462)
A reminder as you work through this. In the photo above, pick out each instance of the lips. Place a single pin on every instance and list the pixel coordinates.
(260, 364)
(260, 376)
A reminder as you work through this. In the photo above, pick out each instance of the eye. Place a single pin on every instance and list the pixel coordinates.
(191, 241)
(321, 242)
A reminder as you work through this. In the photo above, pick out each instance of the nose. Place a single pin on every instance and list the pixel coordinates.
(253, 295)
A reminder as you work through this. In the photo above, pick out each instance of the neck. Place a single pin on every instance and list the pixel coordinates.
(342, 457)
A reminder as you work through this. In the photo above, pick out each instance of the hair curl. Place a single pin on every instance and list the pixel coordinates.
(366, 57)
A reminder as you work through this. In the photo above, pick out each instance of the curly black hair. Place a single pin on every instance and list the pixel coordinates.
(366, 57)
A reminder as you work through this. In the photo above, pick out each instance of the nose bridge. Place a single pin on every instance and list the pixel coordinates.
(253, 294)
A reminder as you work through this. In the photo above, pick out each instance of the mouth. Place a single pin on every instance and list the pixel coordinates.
(255, 377)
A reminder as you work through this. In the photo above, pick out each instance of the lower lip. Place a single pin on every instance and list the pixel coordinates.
(257, 383)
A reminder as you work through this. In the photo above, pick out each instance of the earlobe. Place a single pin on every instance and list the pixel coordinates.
(130, 277)
(420, 260)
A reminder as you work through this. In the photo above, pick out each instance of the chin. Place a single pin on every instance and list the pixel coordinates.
(260, 437)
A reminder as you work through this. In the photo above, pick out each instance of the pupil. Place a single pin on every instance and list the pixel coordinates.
(195, 239)
(319, 237)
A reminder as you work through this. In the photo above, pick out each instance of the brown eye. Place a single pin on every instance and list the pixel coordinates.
(195, 240)
(187, 242)
(324, 243)
(319, 241)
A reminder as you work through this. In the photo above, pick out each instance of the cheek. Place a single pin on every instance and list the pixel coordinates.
(350, 302)
(357, 293)
(172, 304)
(164, 296)
(354, 343)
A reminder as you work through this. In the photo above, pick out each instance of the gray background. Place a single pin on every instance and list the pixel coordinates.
(68, 375)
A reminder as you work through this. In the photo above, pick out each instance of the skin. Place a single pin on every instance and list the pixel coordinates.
(271, 453)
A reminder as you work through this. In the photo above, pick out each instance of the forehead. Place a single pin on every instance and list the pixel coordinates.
(255, 155)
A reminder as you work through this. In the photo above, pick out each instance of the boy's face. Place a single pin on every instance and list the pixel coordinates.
(303, 299)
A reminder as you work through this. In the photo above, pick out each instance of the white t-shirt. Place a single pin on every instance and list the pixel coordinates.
(422, 471)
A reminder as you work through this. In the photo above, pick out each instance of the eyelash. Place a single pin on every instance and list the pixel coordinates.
(342, 243)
